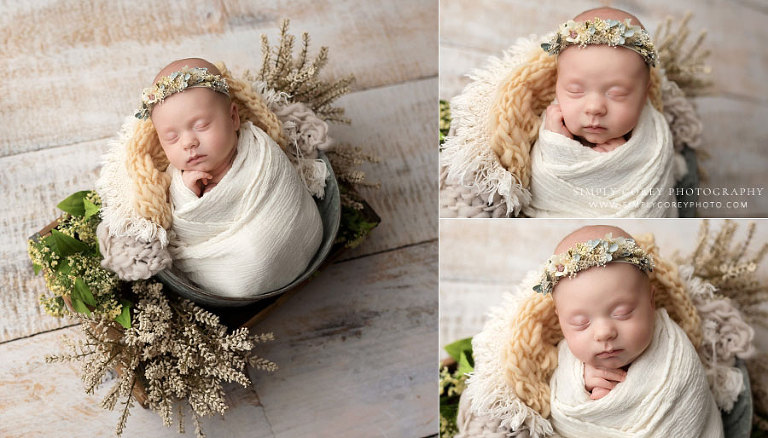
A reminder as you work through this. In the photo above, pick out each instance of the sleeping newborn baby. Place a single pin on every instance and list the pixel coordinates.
(637, 363)
(603, 150)
(244, 222)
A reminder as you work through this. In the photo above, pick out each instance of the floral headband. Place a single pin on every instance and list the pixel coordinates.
(597, 252)
(176, 82)
(599, 31)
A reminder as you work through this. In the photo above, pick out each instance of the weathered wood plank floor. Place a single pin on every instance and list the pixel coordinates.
(734, 117)
(355, 347)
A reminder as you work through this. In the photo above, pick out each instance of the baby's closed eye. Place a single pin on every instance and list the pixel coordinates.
(618, 92)
(623, 313)
(579, 321)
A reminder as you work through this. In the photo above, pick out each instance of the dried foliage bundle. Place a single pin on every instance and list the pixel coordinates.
(686, 66)
(723, 261)
(729, 265)
(180, 352)
(299, 76)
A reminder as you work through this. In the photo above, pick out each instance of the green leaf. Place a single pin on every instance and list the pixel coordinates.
(63, 267)
(124, 318)
(50, 242)
(67, 245)
(80, 306)
(90, 208)
(464, 363)
(74, 203)
(457, 347)
(83, 293)
(37, 268)
(449, 409)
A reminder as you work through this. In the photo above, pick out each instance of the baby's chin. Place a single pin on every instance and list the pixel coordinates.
(616, 362)
(598, 139)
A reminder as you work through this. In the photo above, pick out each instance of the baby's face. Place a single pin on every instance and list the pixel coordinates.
(606, 314)
(601, 91)
(197, 129)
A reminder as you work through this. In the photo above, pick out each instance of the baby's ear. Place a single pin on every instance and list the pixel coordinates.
(235, 116)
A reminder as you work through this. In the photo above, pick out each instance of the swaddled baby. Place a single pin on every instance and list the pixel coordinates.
(623, 368)
(583, 351)
(603, 150)
(243, 221)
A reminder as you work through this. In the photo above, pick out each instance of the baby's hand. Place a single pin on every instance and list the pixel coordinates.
(554, 121)
(196, 180)
(609, 145)
(600, 381)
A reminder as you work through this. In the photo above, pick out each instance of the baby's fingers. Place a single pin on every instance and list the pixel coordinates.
(597, 382)
(616, 375)
(598, 393)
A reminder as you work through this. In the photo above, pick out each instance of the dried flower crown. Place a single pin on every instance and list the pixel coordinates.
(598, 31)
(585, 255)
(176, 82)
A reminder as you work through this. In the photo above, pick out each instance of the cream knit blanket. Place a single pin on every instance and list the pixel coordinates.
(634, 180)
(255, 231)
(665, 393)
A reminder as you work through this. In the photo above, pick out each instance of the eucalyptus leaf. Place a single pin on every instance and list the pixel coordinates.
(124, 318)
(74, 203)
(68, 245)
(90, 208)
(83, 292)
(456, 348)
(80, 306)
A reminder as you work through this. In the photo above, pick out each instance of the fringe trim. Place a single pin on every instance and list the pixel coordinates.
(115, 188)
(487, 388)
(273, 98)
(466, 156)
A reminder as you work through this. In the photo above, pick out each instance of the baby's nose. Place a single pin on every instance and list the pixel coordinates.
(604, 331)
(595, 106)
(190, 141)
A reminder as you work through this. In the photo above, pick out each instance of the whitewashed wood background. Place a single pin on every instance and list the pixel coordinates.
(483, 260)
(356, 347)
(735, 132)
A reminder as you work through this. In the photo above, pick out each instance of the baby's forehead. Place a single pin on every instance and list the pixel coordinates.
(620, 60)
(607, 13)
(633, 280)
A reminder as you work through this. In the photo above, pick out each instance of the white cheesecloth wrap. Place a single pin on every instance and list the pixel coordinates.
(634, 180)
(253, 232)
(665, 393)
